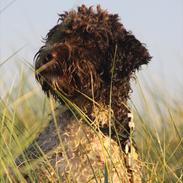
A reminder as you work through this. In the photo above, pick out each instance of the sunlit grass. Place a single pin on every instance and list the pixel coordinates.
(160, 135)
(159, 128)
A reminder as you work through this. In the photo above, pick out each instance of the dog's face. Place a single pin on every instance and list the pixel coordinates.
(64, 67)
(79, 51)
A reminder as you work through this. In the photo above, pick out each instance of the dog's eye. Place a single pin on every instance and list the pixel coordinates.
(49, 57)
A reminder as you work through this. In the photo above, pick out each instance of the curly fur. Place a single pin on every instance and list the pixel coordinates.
(78, 58)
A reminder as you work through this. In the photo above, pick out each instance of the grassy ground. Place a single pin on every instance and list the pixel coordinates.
(159, 128)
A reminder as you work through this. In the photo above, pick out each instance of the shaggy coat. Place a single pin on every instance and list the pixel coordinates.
(86, 63)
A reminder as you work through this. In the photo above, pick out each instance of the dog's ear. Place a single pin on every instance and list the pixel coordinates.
(132, 53)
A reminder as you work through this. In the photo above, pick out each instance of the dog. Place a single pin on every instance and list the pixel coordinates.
(86, 64)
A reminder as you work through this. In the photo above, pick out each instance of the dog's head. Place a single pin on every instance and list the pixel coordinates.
(80, 50)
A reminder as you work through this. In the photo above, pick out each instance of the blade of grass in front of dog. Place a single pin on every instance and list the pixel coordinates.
(70, 177)
(110, 108)
(106, 178)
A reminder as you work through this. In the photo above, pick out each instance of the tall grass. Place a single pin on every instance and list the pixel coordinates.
(160, 134)
(159, 128)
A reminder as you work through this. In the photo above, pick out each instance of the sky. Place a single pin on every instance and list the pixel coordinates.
(157, 23)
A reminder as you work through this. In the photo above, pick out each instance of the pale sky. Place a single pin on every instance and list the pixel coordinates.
(157, 23)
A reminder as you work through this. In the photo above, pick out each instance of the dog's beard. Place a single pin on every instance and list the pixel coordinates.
(52, 79)
(55, 84)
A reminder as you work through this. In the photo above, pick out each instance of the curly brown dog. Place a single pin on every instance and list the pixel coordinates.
(78, 57)
(86, 63)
